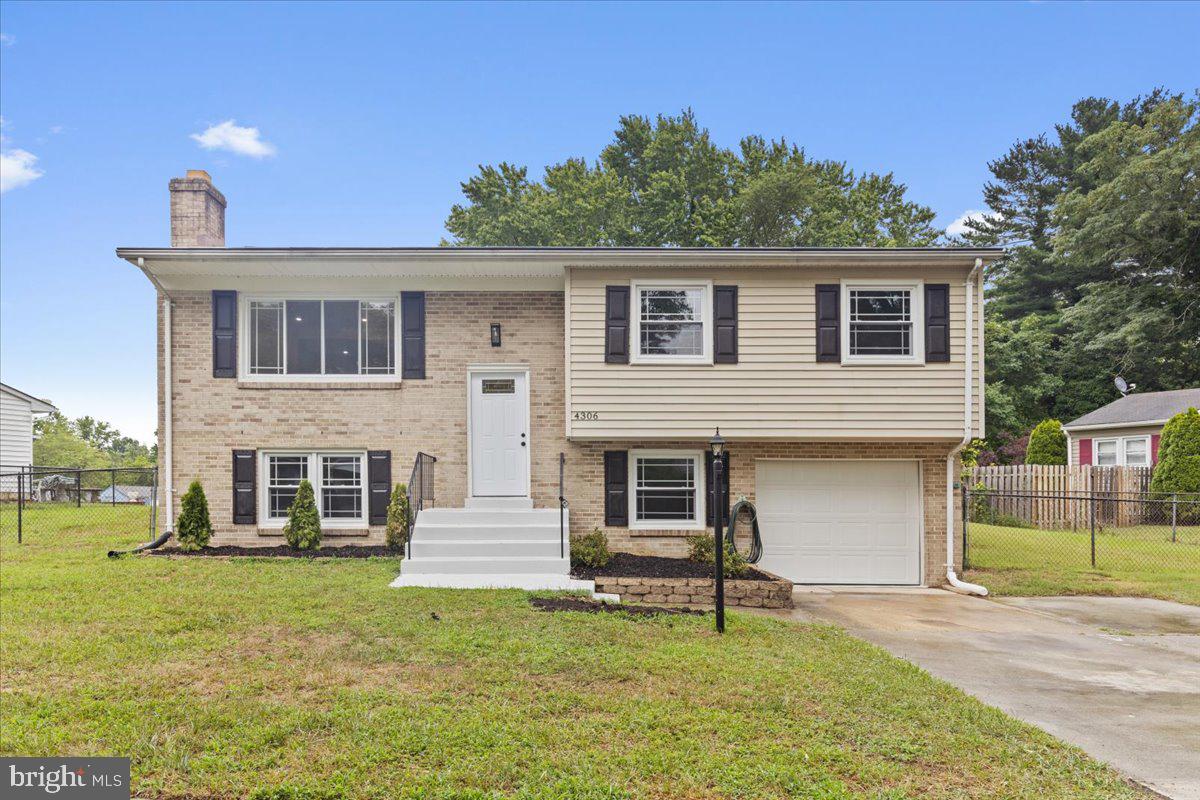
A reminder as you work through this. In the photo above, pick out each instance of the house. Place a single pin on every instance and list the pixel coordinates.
(17, 410)
(843, 379)
(1125, 432)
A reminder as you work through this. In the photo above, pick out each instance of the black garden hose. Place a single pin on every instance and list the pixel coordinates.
(755, 538)
(157, 543)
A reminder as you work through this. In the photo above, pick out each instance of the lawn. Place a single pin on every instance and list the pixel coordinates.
(223, 677)
(1138, 561)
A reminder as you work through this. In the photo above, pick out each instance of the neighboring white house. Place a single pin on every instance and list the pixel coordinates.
(16, 431)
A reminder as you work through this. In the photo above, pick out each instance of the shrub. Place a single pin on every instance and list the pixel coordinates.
(1047, 444)
(193, 529)
(702, 549)
(590, 550)
(1178, 468)
(397, 517)
(303, 528)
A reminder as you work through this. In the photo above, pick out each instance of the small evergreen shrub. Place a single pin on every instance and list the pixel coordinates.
(1178, 468)
(193, 529)
(702, 549)
(303, 528)
(590, 550)
(1047, 444)
(397, 517)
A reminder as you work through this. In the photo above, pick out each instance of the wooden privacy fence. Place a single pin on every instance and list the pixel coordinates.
(1050, 496)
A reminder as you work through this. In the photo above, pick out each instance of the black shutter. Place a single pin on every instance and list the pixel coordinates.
(725, 324)
(224, 333)
(711, 503)
(244, 496)
(937, 322)
(616, 325)
(379, 485)
(828, 333)
(412, 334)
(616, 487)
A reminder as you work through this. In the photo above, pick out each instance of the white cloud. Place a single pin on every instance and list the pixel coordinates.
(56, 129)
(7, 39)
(236, 139)
(959, 226)
(17, 169)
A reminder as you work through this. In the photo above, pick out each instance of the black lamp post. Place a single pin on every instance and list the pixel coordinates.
(717, 445)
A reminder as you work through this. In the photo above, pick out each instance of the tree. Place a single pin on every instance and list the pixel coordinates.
(193, 529)
(303, 527)
(1178, 468)
(1047, 444)
(397, 517)
(665, 183)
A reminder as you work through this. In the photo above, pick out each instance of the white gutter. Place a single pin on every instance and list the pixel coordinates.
(968, 428)
(169, 487)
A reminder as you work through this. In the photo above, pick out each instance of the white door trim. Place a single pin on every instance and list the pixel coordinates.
(513, 369)
(920, 503)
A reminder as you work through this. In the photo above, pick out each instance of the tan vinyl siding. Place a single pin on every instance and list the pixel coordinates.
(777, 390)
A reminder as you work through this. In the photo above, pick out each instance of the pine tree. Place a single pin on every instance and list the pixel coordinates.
(397, 517)
(193, 529)
(303, 528)
(1047, 444)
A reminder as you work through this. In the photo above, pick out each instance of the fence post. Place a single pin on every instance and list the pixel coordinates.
(966, 497)
(79, 488)
(1174, 513)
(153, 505)
(1092, 517)
(20, 503)
(114, 488)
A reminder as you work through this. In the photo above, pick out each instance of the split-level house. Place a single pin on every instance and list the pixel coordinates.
(845, 381)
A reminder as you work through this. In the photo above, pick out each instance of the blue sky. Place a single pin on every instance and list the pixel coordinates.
(375, 113)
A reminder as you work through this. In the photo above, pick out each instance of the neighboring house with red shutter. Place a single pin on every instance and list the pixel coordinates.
(1125, 432)
(846, 380)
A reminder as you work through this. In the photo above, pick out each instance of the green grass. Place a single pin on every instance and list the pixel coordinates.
(222, 676)
(1139, 561)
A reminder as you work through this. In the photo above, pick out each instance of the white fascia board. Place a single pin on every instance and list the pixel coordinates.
(1108, 425)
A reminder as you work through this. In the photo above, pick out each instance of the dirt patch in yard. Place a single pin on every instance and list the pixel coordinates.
(628, 565)
(594, 607)
(283, 551)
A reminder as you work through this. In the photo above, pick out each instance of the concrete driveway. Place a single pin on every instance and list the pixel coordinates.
(1118, 677)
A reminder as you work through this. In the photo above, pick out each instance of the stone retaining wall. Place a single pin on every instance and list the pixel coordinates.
(776, 593)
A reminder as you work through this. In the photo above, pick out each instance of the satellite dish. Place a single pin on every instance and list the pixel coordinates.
(1121, 385)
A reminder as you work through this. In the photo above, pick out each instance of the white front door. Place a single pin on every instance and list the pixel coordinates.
(856, 522)
(499, 434)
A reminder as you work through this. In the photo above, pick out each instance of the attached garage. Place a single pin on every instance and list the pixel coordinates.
(848, 522)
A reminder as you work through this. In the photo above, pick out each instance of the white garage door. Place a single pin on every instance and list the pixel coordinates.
(853, 522)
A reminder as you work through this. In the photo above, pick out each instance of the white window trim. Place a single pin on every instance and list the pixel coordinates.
(916, 310)
(635, 332)
(244, 374)
(1121, 442)
(667, 525)
(314, 471)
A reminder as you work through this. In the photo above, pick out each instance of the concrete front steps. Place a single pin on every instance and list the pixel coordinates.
(489, 548)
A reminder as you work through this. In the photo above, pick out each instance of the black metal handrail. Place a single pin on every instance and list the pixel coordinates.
(420, 493)
(562, 507)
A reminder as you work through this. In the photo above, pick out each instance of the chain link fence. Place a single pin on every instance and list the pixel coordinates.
(38, 502)
(1123, 531)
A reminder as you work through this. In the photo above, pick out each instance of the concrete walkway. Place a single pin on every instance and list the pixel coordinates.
(1118, 677)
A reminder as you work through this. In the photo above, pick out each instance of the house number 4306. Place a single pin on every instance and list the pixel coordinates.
(585, 416)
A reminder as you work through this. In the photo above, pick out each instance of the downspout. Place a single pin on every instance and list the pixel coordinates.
(169, 485)
(968, 428)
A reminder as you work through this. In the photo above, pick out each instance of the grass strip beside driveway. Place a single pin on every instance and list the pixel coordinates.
(219, 677)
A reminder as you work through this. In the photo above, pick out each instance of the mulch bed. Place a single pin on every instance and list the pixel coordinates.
(283, 551)
(595, 607)
(628, 565)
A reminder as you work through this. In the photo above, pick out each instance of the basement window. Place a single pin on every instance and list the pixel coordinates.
(337, 479)
(302, 339)
(666, 489)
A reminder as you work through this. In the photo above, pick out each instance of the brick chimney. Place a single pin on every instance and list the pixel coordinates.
(197, 211)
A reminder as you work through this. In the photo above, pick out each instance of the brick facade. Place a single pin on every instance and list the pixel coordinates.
(212, 417)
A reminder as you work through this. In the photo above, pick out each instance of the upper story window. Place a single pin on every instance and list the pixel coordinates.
(883, 323)
(304, 338)
(672, 322)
